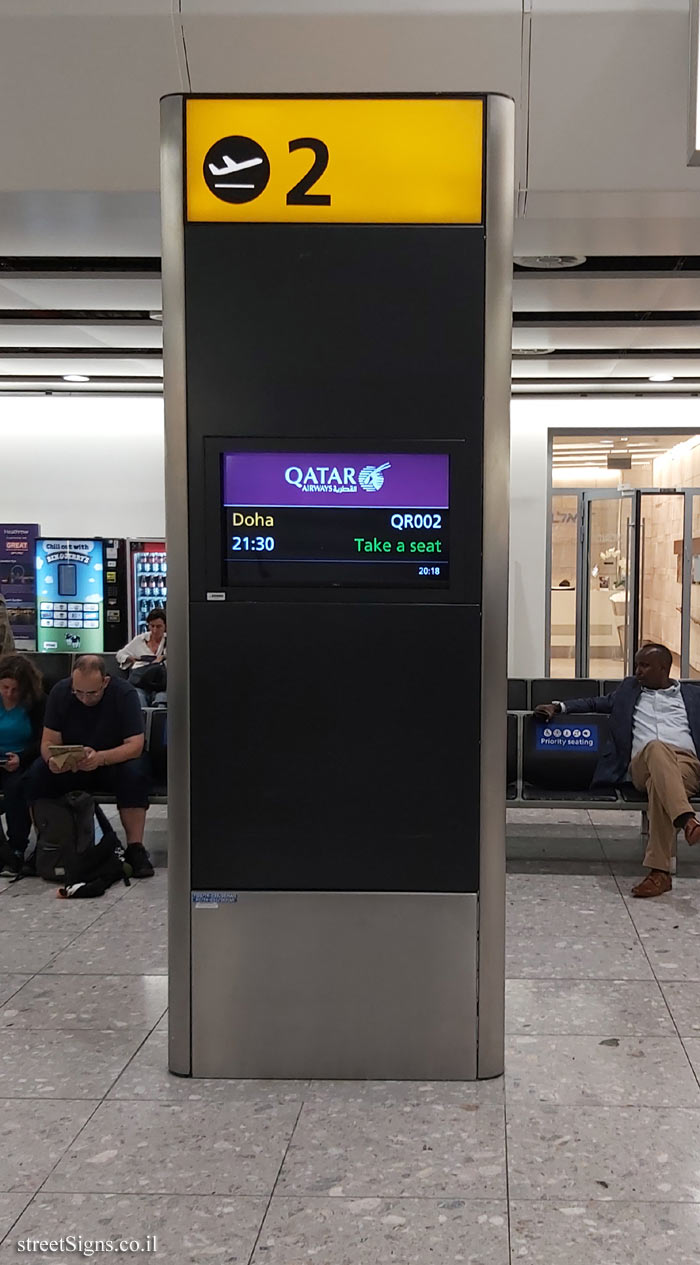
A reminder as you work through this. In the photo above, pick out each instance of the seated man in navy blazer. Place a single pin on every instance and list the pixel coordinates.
(654, 742)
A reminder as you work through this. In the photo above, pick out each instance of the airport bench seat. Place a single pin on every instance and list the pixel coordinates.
(633, 798)
(539, 795)
(156, 720)
(631, 795)
(512, 758)
(562, 779)
(544, 689)
(156, 727)
(559, 759)
(518, 695)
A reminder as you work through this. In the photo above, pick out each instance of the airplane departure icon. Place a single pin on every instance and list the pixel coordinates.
(229, 167)
(236, 169)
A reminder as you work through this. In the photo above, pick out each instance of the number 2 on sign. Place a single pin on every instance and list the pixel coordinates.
(299, 195)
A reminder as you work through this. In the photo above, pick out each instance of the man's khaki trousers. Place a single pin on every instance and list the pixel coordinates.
(668, 775)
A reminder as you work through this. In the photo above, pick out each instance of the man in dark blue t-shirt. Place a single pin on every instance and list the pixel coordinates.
(103, 715)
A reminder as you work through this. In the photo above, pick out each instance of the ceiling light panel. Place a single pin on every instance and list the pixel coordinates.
(72, 291)
(632, 335)
(95, 366)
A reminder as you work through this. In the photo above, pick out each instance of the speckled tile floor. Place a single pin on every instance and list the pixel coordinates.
(587, 1151)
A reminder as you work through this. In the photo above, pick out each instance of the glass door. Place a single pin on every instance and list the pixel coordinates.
(607, 609)
(694, 590)
(661, 558)
(563, 595)
(625, 568)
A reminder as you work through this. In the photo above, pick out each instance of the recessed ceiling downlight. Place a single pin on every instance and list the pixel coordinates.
(550, 261)
(75, 377)
(661, 377)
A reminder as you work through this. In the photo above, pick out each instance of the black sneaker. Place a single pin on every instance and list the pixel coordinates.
(137, 857)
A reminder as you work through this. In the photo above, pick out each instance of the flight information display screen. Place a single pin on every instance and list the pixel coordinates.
(370, 519)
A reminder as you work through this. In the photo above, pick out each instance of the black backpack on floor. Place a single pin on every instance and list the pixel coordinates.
(66, 851)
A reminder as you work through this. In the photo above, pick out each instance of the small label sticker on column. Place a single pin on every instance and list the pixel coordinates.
(212, 900)
(216, 597)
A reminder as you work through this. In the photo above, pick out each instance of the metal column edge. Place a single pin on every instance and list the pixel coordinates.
(176, 497)
(500, 167)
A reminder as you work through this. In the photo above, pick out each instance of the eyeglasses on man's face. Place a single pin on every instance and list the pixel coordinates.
(88, 696)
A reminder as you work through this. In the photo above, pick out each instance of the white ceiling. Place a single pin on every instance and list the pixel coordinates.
(95, 366)
(73, 291)
(601, 94)
(600, 85)
(595, 337)
(78, 316)
(631, 367)
(593, 449)
(116, 335)
(571, 292)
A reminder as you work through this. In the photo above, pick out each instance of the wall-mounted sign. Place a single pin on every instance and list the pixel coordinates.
(17, 550)
(70, 595)
(341, 160)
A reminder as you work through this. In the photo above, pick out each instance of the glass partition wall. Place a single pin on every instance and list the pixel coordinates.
(693, 622)
(634, 577)
(660, 550)
(624, 561)
(566, 512)
(607, 607)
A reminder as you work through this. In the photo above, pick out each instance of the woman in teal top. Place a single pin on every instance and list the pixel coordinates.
(22, 705)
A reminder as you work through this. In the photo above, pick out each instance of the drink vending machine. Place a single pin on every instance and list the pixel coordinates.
(148, 569)
(116, 627)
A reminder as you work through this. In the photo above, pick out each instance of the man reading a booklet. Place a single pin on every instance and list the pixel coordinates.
(93, 741)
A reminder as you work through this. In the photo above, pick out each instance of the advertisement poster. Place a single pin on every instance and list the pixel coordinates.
(17, 550)
(70, 595)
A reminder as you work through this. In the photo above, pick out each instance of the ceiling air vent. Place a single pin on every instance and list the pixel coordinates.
(542, 262)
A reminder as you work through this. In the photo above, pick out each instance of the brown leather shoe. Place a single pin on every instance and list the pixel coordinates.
(691, 830)
(655, 884)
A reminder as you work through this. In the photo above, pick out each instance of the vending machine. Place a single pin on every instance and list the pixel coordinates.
(70, 595)
(148, 569)
(116, 595)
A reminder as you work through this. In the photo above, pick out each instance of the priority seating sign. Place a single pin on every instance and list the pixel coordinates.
(567, 737)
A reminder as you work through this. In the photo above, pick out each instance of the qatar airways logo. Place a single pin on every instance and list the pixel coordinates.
(337, 479)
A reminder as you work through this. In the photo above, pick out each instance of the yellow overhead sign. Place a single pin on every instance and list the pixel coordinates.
(342, 160)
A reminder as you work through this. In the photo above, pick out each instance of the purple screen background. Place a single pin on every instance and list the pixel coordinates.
(412, 481)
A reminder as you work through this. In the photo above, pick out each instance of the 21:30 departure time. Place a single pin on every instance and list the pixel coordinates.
(352, 539)
(253, 544)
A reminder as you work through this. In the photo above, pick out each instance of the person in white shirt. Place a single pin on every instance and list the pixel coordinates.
(654, 742)
(142, 652)
(150, 645)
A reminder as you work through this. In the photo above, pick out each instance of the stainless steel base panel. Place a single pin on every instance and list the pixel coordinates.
(295, 985)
